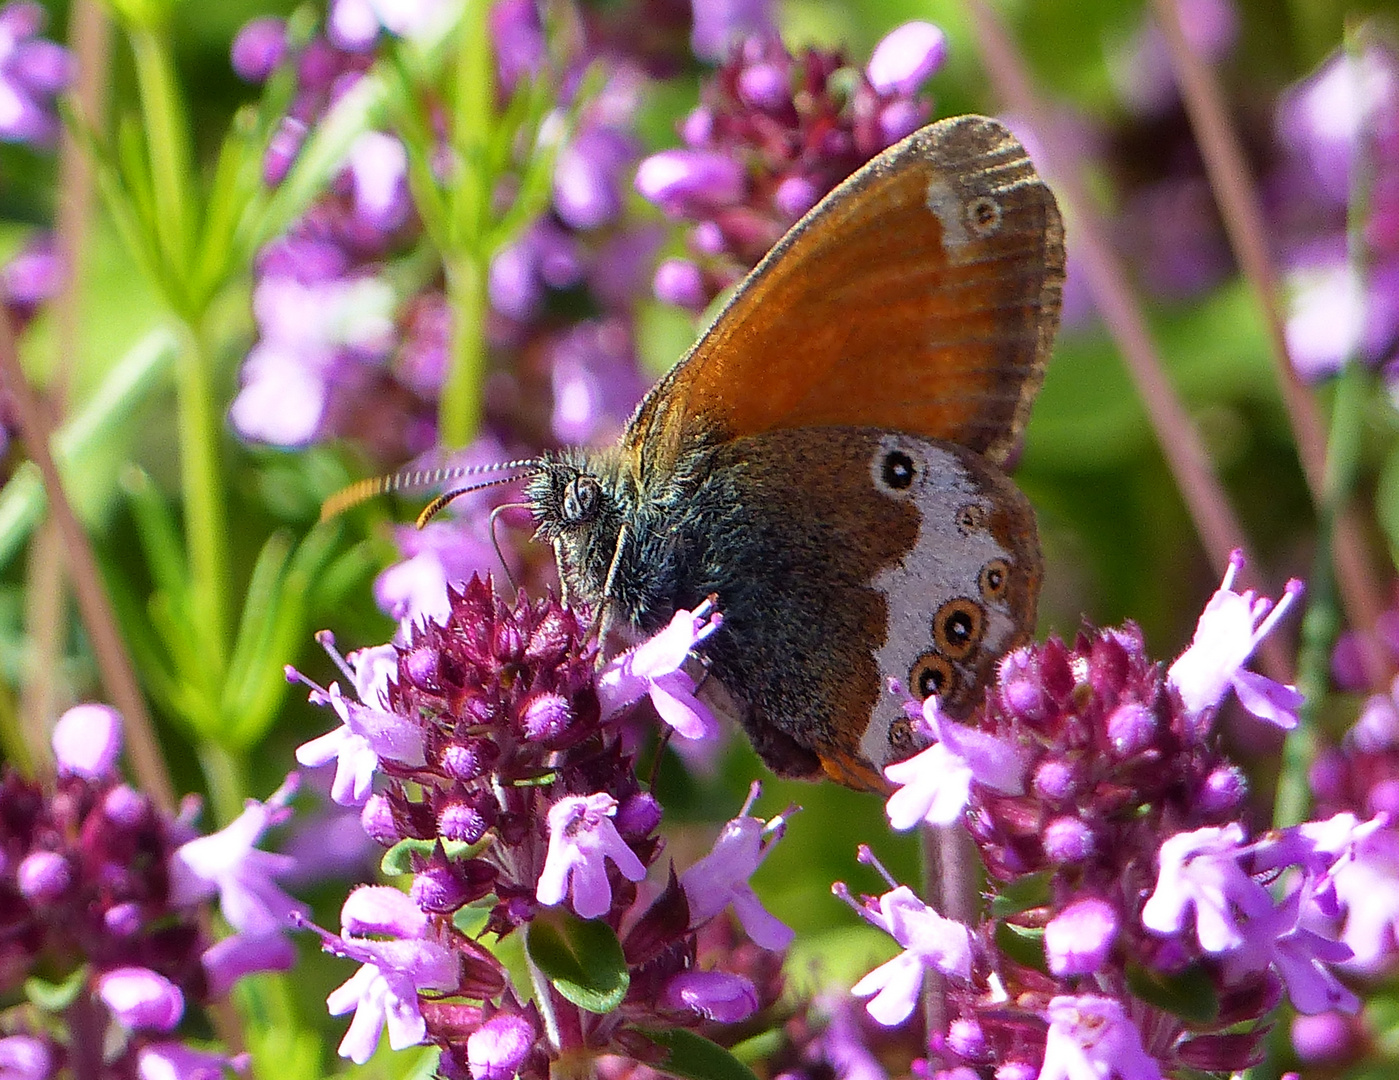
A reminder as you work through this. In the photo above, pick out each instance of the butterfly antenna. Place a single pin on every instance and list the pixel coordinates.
(348, 497)
(432, 509)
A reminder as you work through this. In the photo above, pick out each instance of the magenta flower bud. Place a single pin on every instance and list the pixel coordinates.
(422, 663)
(44, 876)
(496, 1049)
(123, 920)
(1131, 728)
(1017, 1070)
(1021, 690)
(714, 995)
(1224, 789)
(124, 805)
(906, 56)
(680, 282)
(87, 741)
(1383, 797)
(764, 86)
(697, 127)
(677, 179)
(638, 815)
(465, 817)
(1078, 939)
(796, 195)
(900, 118)
(545, 717)
(468, 759)
(258, 48)
(377, 820)
(966, 1039)
(1055, 780)
(441, 886)
(1067, 840)
(141, 999)
(707, 238)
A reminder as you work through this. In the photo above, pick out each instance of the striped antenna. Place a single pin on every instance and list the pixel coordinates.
(432, 509)
(411, 479)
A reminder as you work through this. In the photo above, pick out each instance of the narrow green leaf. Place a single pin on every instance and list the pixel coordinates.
(261, 607)
(55, 997)
(581, 958)
(1189, 994)
(168, 144)
(157, 531)
(1030, 891)
(399, 858)
(694, 1057)
(1022, 944)
(1387, 499)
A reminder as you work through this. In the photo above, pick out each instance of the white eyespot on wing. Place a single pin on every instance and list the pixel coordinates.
(941, 577)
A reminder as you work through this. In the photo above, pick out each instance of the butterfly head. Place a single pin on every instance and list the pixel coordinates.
(579, 508)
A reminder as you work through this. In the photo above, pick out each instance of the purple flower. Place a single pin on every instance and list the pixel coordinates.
(718, 24)
(595, 380)
(496, 1049)
(378, 168)
(656, 667)
(582, 837)
(721, 877)
(1201, 869)
(1229, 630)
(928, 940)
(23, 1057)
(87, 742)
(44, 876)
(1367, 893)
(259, 48)
(141, 999)
(680, 282)
(905, 57)
(682, 181)
(719, 996)
(227, 961)
(1077, 940)
(936, 784)
(366, 734)
(588, 176)
(32, 73)
(228, 863)
(176, 1061)
(1092, 1037)
(1301, 957)
(33, 276)
(385, 989)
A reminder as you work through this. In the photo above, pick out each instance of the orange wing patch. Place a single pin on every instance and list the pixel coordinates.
(921, 295)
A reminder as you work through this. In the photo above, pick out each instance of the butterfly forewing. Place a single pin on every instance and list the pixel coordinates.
(921, 295)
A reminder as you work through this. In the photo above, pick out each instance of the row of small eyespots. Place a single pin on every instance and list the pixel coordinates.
(957, 628)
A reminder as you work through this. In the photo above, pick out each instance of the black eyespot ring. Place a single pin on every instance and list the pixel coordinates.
(984, 215)
(898, 471)
(580, 499)
(994, 579)
(932, 673)
(957, 627)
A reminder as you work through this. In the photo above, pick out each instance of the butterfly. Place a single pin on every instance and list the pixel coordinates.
(827, 460)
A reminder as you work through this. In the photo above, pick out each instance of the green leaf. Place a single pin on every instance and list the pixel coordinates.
(1022, 894)
(1387, 499)
(694, 1057)
(55, 997)
(398, 859)
(1022, 944)
(1188, 994)
(582, 959)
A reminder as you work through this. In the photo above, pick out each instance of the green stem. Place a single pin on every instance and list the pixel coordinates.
(459, 409)
(206, 516)
(226, 776)
(472, 121)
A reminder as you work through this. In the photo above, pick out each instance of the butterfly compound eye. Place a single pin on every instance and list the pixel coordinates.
(581, 499)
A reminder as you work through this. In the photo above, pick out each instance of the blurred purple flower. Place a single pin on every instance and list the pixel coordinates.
(719, 24)
(228, 863)
(32, 277)
(588, 177)
(258, 48)
(355, 24)
(227, 961)
(176, 1061)
(1141, 67)
(1078, 939)
(141, 999)
(378, 168)
(906, 57)
(33, 72)
(596, 381)
(720, 996)
(24, 1057)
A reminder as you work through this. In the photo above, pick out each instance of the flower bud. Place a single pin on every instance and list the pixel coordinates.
(44, 876)
(1067, 840)
(1224, 789)
(905, 57)
(87, 741)
(1131, 728)
(465, 816)
(714, 995)
(496, 1049)
(1078, 939)
(377, 820)
(141, 999)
